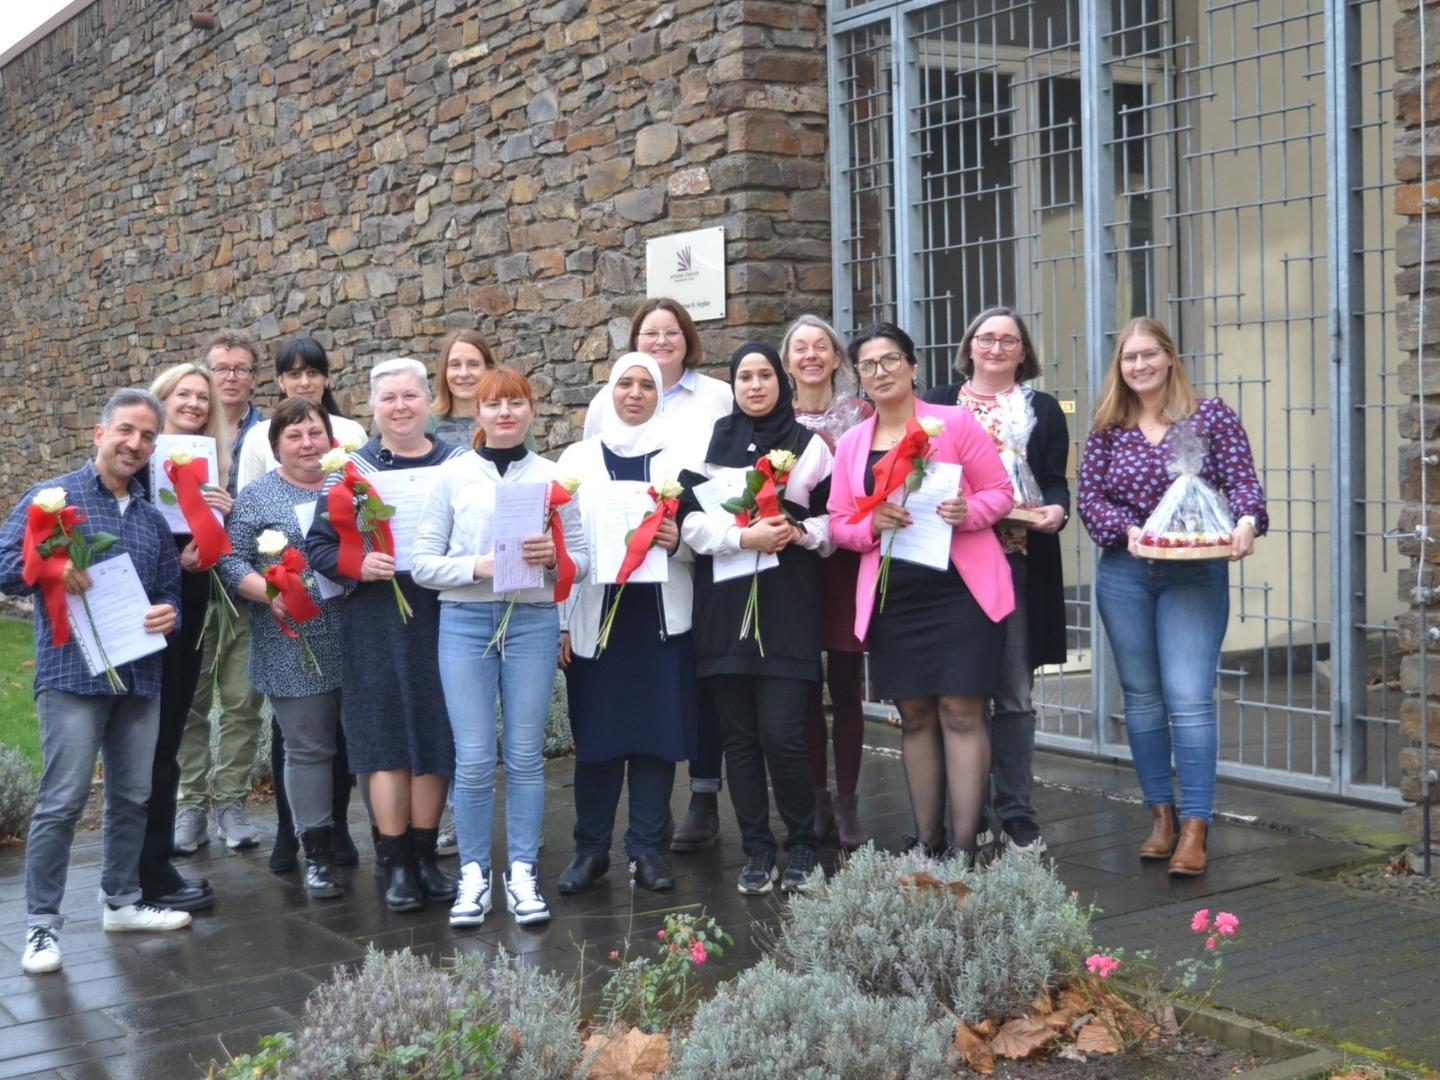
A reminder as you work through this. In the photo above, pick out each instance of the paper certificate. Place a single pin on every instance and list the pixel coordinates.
(328, 590)
(406, 490)
(926, 540)
(118, 604)
(721, 487)
(519, 512)
(612, 509)
(163, 490)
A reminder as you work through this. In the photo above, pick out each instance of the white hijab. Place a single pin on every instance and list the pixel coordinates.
(633, 440)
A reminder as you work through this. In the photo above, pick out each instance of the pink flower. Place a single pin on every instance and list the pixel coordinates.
(1210, 944)
(1102, 965)
(1200, 921)
(660, 934)
(1226, 924)
(614, 954)
(698, 953)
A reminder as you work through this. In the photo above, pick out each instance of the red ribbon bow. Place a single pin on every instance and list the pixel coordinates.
(892, 469)
(211, 539)
(47, 572)
(564, 565)
(643, 537)
(285, 576)
(767, 499)
(341, 504)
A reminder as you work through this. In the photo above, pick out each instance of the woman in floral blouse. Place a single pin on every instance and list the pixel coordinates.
(1165, 620)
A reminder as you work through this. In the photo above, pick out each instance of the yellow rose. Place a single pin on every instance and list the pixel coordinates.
(932, 425)
(668, 489)
(182, 457)
(571, 484)
(334, 460)
(782, 461)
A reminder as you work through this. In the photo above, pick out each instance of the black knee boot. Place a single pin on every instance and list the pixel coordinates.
(320, 879)
(436, 884)
(282, 855)
(402, 893)
(340, 782)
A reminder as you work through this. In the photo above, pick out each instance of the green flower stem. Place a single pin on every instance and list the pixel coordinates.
(609, 623)
(499, 636)
(111, 675)
(751, 622)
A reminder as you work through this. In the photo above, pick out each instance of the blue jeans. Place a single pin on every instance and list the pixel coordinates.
(522, 679)
(73, 728)
(1165, 622)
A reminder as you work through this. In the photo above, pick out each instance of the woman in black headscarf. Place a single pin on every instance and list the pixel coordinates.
(759, 679)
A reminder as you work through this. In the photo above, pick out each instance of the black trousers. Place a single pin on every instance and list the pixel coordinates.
(709, 748)
(762, 720)
(597, 795)
(179, 675)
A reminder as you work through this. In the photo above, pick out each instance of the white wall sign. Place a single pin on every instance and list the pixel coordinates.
(689, 267)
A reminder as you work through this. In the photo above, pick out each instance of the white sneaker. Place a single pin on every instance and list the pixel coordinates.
(447, 843)
(522, 888)
(472, 896)
(143, 916)
(42, 951)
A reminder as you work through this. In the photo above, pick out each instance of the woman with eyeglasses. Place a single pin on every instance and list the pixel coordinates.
(997, 361)
(1165, 620)
(662, 329)
(936, 641)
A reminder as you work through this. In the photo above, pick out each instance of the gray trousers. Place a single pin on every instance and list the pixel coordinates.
(1012, 712)
(73, 729)
(309, 725)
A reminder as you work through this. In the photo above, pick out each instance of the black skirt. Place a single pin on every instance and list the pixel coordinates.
(932, 638)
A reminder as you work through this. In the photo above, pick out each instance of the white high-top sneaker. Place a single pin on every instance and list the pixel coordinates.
(522, 888)
(472, 896)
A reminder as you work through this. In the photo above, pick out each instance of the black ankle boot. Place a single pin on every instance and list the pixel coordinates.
(701, 827)
(320, 879)
(287, 846)
(436, 885)
(392, 854)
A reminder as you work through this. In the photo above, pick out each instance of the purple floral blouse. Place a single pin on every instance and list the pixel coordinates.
(1123, 475)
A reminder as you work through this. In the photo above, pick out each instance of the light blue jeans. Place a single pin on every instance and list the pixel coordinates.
(1165, 622)
(521, 677)
(73, 728)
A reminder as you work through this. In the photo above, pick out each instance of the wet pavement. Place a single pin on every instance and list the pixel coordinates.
(1347, 967)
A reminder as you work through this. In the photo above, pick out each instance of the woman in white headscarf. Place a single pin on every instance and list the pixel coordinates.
(649, 727)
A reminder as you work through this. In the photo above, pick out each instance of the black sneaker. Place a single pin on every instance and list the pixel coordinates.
(1025, 835)
(798, 869)
(759, 874)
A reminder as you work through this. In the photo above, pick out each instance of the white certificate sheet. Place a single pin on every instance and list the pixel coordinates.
(612, 510)
(406, 490)
(519, 512)
(200, 446)
(926, 540)
(117, 603)
(328, 590)
(721, 487)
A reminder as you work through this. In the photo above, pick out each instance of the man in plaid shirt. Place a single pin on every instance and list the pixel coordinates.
(79, 713)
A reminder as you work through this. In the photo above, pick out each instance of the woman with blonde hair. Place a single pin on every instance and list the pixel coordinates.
(1165, 620)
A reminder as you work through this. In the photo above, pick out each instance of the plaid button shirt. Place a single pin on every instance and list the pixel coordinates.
(143, 535)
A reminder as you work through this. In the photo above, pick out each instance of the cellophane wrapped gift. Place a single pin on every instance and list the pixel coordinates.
(1015, 430)
(1192, 519)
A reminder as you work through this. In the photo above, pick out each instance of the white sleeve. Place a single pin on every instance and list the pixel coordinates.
(711, 534)
(429, 565)
(254, 461)
(815, 464)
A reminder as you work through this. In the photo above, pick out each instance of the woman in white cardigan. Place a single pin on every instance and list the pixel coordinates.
(454, 552)
(651, 726)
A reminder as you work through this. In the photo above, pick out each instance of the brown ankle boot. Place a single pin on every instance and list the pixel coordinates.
(1189, 857)
(824, 814)
(847, 823)
(1161, 841)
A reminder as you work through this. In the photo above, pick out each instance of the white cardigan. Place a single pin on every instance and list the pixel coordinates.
(582, 613)
(256, 458)
(455, 529)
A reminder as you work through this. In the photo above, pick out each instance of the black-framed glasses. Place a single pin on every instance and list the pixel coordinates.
(891, 361)
(235, 372)
(1009, 343)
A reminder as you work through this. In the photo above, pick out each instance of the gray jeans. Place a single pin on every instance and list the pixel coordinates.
(73, 729)
(1012, 713)
(309, 725)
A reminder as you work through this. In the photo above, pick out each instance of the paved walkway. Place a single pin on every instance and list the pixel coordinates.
(1348, 967)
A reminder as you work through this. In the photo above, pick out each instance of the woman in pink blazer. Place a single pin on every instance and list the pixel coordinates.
(935, 648)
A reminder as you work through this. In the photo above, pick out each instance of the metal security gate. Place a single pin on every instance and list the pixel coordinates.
(1090, 160)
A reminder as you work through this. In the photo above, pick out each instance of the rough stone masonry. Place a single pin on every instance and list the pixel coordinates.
(378, 173)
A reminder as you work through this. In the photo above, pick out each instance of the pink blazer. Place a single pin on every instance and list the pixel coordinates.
(974, 551)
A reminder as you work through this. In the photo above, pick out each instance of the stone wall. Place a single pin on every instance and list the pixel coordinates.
(377, 173)
(1417, 168)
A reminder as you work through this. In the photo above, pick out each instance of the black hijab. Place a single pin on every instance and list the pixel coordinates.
(739, 439)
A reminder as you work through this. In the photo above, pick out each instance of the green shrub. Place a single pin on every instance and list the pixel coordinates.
(538, 1012)
(18, 787)
(770, 1023)
(981, 955)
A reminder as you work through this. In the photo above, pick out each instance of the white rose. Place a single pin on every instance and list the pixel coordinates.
(571, 484)
(668, 489)
(932, 425)
(350, 447)
(782, 461)
(271, 542)
(52, 500)
(182, 457)
(334, 460)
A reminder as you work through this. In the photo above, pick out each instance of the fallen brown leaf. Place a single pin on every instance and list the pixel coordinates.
(632, 1055)
(986, 1028)
(1060, 1019)
(922, 880)
(974, 1049)
(1021, 1037)
(1041, 1003)
(1096, 1039)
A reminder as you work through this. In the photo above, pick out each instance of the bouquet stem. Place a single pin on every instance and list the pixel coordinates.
(499, 636)
(311, 663)
(400, 602)
(608, 624)
(112, 676)
(219, 593)
(751, 621)
(882, 582)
